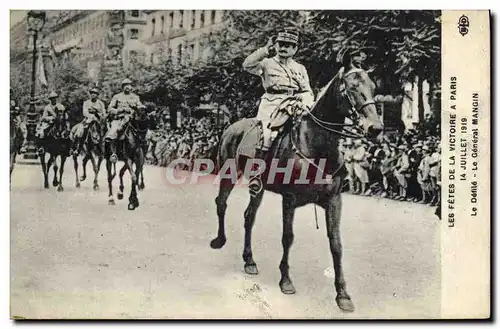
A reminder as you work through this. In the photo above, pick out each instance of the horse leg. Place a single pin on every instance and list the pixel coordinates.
(75, 163)
(84, 165)
(45, 169)
(332, 214)
(225, 188)
(141, 177)
(250, 212)
(54, 181)
(288, 208)
(60, 188)
(120, 175)
(111, 200)
(12, 161)
(97, 168)
(132, 199)
(49, 164)
(138, 170)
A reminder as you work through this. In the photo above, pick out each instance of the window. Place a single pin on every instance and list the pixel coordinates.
(134, 34)
(162, 24)
(212, 19)
(193, 19)
(181, 24)
(202, 18)
(153, 25)
(134, 13)
(171, 17)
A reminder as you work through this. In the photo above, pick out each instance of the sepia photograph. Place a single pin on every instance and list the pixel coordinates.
(235, 164)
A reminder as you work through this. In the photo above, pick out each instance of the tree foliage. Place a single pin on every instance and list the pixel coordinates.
(399, 45)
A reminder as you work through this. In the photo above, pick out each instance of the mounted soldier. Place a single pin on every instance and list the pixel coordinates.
(51, 112)
(121, 108)
(282, 78)
(94, 110)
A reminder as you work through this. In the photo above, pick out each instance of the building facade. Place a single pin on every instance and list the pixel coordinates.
(179, 34)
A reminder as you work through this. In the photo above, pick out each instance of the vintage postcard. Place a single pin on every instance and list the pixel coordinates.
(250, 164)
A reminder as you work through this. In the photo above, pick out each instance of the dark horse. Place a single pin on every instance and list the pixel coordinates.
(92, 146)
(145, 121)
(130, 150)
(56, 143)
(16, 141)
(313, 136)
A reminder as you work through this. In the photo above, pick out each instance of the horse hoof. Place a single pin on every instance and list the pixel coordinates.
(83, 178)
(96, 187)
(136, 203)
(60, 188)
(111, 202)
(217, 243)
(131, 206)
(141, 187)
(251, 269)
(77, 185)
(345, 303)
(287, 287)
(55, 183)
(46, 185)
(120, 196)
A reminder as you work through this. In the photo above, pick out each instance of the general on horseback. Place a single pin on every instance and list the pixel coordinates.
(87, 137)
(283, 79)
(125, 139)
(309, 142)
(120, 111)
(94, 113)
(52, 137)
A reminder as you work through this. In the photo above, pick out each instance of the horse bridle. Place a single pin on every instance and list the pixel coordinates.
(325, 124)
(365, 103)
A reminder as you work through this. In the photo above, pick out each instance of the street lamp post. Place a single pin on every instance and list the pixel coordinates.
(36, 21)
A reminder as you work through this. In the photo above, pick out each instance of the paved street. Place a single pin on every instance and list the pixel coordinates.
(74, 256)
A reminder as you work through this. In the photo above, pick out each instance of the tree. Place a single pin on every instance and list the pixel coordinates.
(70, 81)
(400, 45)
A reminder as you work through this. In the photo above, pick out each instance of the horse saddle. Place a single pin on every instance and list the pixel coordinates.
(252, 139)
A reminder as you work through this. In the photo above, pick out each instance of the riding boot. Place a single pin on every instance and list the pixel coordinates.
(255, 184)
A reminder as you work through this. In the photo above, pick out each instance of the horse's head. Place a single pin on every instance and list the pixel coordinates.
(360, 90)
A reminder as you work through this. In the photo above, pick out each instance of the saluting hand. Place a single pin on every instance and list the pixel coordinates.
(270, 43)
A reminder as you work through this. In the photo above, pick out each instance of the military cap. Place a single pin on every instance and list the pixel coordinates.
(126, 82)
(53, 95)
(94, 90)
(288, 35)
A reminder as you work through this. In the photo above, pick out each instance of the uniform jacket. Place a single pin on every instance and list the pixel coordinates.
(98, 105)
(278, 76)
(50, 110)
(123, 103)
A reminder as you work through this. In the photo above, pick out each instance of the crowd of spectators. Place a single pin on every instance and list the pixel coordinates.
(195, 138)
(405, 167)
